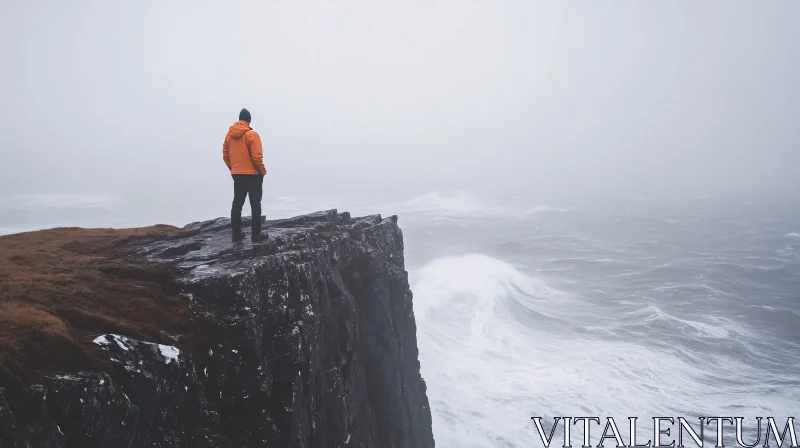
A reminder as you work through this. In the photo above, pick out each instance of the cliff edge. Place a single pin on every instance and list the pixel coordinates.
(180, 338)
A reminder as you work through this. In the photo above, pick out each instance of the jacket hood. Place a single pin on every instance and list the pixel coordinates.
(238, 129)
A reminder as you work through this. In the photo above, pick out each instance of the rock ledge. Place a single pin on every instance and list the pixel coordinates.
(309, 341)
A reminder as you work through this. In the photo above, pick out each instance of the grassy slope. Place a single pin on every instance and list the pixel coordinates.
(59, 288)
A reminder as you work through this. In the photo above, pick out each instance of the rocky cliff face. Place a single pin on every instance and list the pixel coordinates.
(309, 340)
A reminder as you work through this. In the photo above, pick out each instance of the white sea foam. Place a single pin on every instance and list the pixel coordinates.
(498, 347)
(461, 204)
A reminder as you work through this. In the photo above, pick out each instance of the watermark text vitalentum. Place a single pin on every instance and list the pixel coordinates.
(664, 437)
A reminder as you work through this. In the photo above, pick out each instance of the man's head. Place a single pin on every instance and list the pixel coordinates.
(244, 115)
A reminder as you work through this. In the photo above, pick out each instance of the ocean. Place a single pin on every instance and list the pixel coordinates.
(636, 307)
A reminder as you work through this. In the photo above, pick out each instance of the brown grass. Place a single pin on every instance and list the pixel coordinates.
(60, 288)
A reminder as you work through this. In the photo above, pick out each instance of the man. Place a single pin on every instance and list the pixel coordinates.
(243, 155)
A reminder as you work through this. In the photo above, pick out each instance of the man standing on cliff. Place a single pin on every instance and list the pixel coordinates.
(244, 156)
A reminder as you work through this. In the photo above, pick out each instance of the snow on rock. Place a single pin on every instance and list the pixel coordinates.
(169, 352)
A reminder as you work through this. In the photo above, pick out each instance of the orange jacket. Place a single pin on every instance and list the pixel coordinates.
(242, 150)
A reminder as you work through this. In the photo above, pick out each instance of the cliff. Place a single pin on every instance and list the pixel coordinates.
(305, 340)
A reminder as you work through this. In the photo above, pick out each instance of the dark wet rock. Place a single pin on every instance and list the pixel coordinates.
(310, 341)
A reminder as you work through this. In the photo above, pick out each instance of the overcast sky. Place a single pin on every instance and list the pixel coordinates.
(134, 98)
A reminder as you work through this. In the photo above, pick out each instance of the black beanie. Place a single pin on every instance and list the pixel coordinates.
(244, 115)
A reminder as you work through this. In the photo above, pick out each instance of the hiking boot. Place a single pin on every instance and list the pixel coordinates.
(256, 237)
(237, 237)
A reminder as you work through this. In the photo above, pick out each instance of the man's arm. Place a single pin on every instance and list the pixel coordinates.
(225, 154)
(258, 154)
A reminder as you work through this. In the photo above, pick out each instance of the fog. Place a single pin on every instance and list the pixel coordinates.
(401, 98)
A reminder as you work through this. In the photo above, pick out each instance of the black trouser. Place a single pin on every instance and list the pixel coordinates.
(246, 185)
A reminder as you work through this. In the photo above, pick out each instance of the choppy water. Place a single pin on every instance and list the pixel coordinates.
(645, 309)
(629, 308)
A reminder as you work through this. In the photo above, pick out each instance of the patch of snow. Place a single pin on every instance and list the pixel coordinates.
(120, 341)
(102, 381)
(66, 377)
(104, 342)
(210, 352)
(169, 352)
(348, 439)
